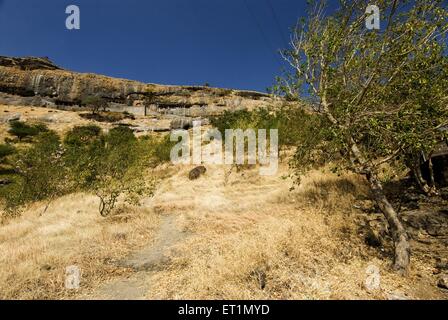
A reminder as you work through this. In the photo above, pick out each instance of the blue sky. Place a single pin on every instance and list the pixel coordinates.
(226, 43)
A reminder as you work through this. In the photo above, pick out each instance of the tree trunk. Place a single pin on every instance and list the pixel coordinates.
(402, 254)
(401, 240)
(399, 234)
(432, 180)
(422, 183)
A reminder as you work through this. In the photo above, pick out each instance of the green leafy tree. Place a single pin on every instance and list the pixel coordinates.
(111, 165)
(84, 147)
(22, 130)
(40, 171)
(382, 94)
(120, 173)
(95, 104)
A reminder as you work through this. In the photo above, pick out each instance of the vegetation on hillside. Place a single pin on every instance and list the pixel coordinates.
(95, 103)
(22, 131)
(111, 165)
(382, 94)
(377, 97)
(296, 126)
(374, 99)
(5, 151)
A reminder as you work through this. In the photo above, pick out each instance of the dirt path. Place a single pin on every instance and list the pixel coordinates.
(177, 199)
(145, 262)
(217, 222)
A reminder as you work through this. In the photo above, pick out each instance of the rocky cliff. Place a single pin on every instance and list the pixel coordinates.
(38, 81)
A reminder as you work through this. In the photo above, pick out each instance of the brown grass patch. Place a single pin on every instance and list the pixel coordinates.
(299, 245)
(35, 249)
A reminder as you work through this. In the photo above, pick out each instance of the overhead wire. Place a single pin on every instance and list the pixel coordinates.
(277, 22)
(262, 33)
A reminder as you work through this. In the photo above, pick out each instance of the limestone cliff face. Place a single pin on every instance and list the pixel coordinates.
(31, 63)
(40, 81)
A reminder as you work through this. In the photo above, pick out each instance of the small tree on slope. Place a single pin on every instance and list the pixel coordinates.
(381, 93)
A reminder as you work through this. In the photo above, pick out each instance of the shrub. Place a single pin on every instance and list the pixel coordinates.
(231, 120)
(118, 155)
(5, 150)
(121, 171)
(111, 165)
(82, 134)
(161, 149)
(292, 123)
(22, 130)
(84, 147)
(121, 136)
(128, 115)
(106, 116)
(40, 127)
(40, 173)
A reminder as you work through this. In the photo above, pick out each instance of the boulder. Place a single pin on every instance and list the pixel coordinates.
(197, 172)
(10, 117)
(443, 282)
(181, 123)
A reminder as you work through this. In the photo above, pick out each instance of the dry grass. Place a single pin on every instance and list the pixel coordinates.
(35, 249)
(249, 237)
(255, 240)
(63, 121)
(57, 120)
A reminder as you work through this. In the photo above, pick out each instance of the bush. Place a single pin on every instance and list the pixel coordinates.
(106, 116)
(297, 129)
(240, 119)
(84, 147)
(40, 172)
(161, 149)
(121, 171)
(22, 130)
(128, 115)
(41, 128)
(121, 136)
(5, 150)
(292, 123)
(111, 165)
(82, 134)
(119, 153)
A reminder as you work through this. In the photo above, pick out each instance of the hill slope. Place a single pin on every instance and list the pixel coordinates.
(228, 235)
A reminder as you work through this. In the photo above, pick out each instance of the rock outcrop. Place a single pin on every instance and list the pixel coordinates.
(30, 63)
(439, 158)
(39, 81)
